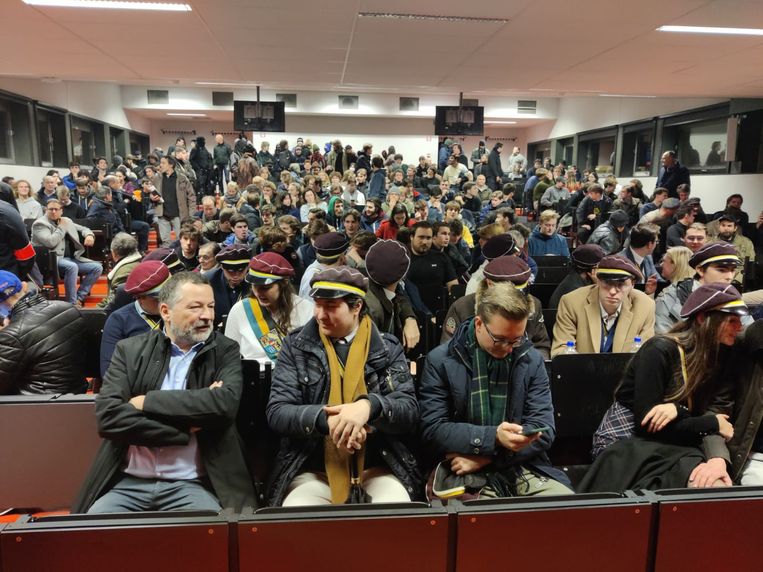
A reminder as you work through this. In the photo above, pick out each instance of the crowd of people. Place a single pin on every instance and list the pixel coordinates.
(328, 266)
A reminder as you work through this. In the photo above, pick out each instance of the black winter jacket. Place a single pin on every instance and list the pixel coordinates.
(300, 390)
(40, 350)
(138, 367)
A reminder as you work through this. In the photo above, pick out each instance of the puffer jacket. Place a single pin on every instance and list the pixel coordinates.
(300, 390)
(444, 395)
(40, 350)
(608, 238)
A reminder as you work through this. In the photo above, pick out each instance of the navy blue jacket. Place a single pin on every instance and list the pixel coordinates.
(444, 401)
(377, 186)
(121, 324)
(104, 211)
(671, 178)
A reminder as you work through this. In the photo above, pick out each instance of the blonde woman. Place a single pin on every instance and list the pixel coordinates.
(675, 264)
(29, 207)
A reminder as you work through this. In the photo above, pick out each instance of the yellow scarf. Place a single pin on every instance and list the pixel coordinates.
(347, 384)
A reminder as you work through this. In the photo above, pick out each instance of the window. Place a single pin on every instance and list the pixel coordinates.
(567, 150)
(139, 142)
(117, 142)
(701, 146)
(637, 158)
(87, 140)
(540, 150)
(51, 138)
(15, 132)
(596, 151)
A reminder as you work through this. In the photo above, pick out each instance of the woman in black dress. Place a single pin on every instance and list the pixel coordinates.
(676, 393)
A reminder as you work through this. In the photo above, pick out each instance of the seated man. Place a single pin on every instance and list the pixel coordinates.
(643, 240)
(584, 260)
(544, 240)
(608, 316)
(387, 262)
(513, 270)
(228, 281)
(124, 253)
(170, 440)
(143, 283)
(40, 342)
(342, 399)
(715, 262)
(481, 390)
(62, 235)
(611, 234)
(730, 233)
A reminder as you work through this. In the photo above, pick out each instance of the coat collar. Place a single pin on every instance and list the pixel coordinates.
(593, 314)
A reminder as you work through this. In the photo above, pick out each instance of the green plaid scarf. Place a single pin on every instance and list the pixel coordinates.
(489, 390)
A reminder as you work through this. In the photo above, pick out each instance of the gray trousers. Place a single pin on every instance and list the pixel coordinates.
(166, 226)
(132, 494)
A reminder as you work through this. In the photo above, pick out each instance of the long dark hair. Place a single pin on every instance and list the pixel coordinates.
(701, 348)
(283, 307)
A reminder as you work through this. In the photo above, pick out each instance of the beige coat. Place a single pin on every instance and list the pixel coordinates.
(185, 195)
(578, 319)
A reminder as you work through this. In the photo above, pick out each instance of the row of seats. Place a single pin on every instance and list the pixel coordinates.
(55, 436)
(661, 531)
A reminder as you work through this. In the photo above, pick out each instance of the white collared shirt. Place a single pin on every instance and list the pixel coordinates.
(606, 319)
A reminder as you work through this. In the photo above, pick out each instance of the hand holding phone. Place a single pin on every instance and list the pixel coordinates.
(530, 431)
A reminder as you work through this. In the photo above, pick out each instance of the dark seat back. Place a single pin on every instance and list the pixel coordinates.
(549, 319)
(260, 442)
(542, 292)
(582, 389)
(551, 260)
(91, 340)
(551, 274)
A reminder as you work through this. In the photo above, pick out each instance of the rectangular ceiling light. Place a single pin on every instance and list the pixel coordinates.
(712, 30)
(625, 95)
(187, 114)
(226, 84)
(490, 122)
(110, 5)
(432, 17)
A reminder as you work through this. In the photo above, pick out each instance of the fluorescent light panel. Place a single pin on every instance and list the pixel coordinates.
(624, 95)
(712, 30)
(110, 5)
(490, 122)
(187, 114)
(226, 83)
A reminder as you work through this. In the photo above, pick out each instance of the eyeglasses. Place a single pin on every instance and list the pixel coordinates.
(503, 342)
(53, 209)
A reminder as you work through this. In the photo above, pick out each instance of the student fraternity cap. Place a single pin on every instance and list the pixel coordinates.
(338, 283)
(331, 245)
(234, 256)
(147, 278)
(671, 203)
(501, 245)
(615, 267)
(9, 285)
(721, 253)
(268, 268)
(715, 297)
(387, 261)
(587, 256)
(168, 257)
(728, 217)
(508, 269)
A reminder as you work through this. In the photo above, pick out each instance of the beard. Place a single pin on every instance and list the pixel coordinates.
(726, 236)
(192, 334)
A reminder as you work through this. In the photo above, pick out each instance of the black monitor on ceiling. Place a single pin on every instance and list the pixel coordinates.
(455, 120)
(262, 116)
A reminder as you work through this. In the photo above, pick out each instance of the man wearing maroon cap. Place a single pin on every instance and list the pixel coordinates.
(608, 316)
(143, 284)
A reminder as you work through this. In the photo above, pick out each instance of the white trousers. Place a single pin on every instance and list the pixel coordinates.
(309, 489)
(752, 473)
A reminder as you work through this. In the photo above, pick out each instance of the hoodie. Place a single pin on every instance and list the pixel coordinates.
(540, 244)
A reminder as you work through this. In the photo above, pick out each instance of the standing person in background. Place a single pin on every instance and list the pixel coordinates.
(221, 156)
(672, 174)
(517, 161)
(494, 168)
(174, 199)
(201, 162)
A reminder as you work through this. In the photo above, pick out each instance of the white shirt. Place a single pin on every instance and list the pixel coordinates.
(238, 329)
(607, 320)
(310, 271)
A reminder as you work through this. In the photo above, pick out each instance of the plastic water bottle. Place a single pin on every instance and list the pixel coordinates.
(636, 345)
(570, 348)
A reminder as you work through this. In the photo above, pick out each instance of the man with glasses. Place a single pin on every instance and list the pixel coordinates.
(607, 316)
(228, 281)
(513, 270)
(482, 395)
(61, 235)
